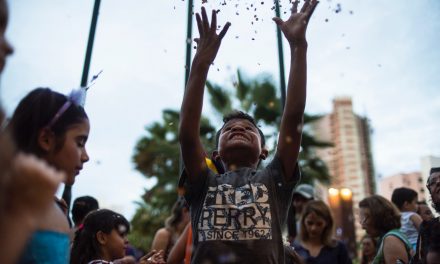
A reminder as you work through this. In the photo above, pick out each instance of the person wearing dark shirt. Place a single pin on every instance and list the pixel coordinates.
(316, 244)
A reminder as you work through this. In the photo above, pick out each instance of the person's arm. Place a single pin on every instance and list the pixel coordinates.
(30, 194)
(153, 257)
(394, 249)
(289, 141)
(208, 45)
(177, 253)
(416, 220)
(161, 240)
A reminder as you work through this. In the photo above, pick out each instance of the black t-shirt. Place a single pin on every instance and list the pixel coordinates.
(237, 217)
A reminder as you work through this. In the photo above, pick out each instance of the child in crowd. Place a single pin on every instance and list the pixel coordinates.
(20, 175)
(406, 200)
(424, 211)
(102, 239)
(81, 207)
(237, 217)
(54, 128)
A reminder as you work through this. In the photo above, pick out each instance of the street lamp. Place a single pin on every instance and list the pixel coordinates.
(341, 204)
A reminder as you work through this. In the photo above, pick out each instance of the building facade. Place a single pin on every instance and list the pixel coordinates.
(412, 180)
(350, 160)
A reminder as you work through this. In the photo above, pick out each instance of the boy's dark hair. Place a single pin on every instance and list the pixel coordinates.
(35, 111)
(236, 114)
(384, 214)
(402, 195)
(85, 247)
(81, 207)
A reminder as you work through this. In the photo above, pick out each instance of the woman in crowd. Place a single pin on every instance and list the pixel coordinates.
(167, 236)
(316, 242)
(369, 247)
(381, 219)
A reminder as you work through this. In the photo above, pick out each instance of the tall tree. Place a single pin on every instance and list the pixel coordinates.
(156, 155)
(258, 96)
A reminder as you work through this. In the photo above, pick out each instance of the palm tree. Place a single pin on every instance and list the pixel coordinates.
(156, 154)
(258, 97)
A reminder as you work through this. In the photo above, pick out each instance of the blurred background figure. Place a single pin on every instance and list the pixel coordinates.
(381, 219)
(424, 211)
(316, 243)
(20, 175)
(369, 248)
(433, 252)
(428, 227)
(166, 237)
(302, 194)
(81, 207)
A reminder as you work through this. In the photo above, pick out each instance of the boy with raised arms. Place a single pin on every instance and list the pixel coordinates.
(237, 216)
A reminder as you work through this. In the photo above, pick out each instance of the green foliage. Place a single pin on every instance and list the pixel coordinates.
(157, 154)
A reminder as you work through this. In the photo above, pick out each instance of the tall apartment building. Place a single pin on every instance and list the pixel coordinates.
(350, 159)
(412, 180)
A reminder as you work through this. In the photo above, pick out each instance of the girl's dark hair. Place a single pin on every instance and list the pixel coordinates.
(85, 246)
(402, 195)
(177, 214)
(384, 214)
(35, 112)
(323, 211)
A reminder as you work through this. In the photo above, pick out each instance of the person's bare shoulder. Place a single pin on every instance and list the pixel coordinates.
(394, 249)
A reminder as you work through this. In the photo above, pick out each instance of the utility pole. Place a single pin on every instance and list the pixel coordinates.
(67, 193)
(281, 59)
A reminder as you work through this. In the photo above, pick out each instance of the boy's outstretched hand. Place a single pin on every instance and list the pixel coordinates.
(294, 28)
(209, 41)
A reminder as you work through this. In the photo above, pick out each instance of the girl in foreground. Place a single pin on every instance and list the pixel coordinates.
(54, 128)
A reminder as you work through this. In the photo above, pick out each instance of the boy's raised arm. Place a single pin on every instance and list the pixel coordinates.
(208, 45)
(294, 29)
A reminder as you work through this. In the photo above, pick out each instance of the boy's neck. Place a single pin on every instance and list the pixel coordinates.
(238, 165)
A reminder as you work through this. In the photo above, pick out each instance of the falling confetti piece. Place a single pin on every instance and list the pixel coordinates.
(338, 8)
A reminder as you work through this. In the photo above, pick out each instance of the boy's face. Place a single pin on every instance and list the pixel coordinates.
(411, 206)
(239, 138)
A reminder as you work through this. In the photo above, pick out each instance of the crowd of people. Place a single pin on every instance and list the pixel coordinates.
(231, 211)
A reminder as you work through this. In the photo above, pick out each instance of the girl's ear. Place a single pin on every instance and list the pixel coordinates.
(101, 237)
(46, 140)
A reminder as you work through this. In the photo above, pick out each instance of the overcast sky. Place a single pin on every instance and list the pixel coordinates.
(382, 53)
